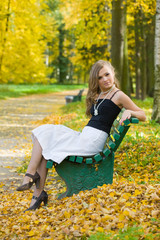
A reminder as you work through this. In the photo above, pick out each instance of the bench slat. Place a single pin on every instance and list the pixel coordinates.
(134, 120)
(116, 136)
(120, 128)
(111, 144)
(72, 158)
(106, 152)
(126, 122)
(98, 157)
(79, 159)
(89, 160)
(49, 164)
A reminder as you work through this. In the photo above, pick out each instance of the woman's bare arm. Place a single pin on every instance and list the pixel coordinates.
(132, 110)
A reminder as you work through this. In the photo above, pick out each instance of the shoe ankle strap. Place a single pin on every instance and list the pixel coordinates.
(29, 175)
(36, 175)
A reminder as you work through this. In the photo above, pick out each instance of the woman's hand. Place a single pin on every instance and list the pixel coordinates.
(126, 115)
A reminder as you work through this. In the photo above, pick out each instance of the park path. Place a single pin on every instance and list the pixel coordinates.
(16, 122)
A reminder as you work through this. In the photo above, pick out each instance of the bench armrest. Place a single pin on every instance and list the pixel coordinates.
(134, 120)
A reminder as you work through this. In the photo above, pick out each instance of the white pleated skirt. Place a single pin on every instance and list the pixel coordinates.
(59, 141)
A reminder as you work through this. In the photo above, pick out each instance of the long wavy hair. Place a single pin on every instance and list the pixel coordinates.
(93, 88)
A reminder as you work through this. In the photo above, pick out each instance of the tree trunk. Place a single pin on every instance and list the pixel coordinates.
(150, 57)
(137, 55)
(5, 39)
(156, 104)
(143, 59)
(125, 84)
(61, 57)
(117, 37)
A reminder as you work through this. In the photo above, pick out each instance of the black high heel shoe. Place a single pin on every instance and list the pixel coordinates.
(36, 180)
(43, 197)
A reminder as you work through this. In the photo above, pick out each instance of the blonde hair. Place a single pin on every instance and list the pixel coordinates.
(93, 88)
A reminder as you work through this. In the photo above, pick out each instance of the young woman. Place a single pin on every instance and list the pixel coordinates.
(104, 102)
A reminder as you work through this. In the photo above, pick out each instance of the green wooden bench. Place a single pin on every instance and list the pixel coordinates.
(85, 173)
(74, 98)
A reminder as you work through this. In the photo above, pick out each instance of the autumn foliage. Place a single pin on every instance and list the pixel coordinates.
(24, 34)
(105, 209)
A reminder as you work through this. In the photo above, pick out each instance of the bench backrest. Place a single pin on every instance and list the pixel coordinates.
(80, 92)
(78, 96)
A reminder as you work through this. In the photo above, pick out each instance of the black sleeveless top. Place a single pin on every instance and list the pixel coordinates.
(107, 113)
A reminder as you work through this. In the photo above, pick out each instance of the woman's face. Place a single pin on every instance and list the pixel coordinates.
(106, 78)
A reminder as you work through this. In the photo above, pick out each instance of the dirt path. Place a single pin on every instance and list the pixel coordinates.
(16, 122)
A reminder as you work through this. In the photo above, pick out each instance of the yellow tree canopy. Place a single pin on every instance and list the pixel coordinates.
(24, 32)
(89, 20)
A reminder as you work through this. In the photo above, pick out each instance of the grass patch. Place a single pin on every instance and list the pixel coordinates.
(131, 233)
(12, 90)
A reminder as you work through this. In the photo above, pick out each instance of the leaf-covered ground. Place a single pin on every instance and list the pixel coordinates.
(106, 209)
(127, 209)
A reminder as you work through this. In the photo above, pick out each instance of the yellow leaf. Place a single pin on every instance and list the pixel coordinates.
(137, 192)
(67, 214)
(126, 196)
(112, 194)
(106, 217)
(126, 213)
(36, 222)
(129, 212)
(1, 185)
(83, 230)
(31, 233)
(76, 227)
(100, 229)
(121, 217)
(92, 199)
(120, 225)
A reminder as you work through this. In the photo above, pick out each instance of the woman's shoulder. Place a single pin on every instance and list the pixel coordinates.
(120, 97)
(123, 99)
(117, 94)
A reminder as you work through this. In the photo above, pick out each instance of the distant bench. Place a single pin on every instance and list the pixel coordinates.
(74, 98)
(84, 173)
